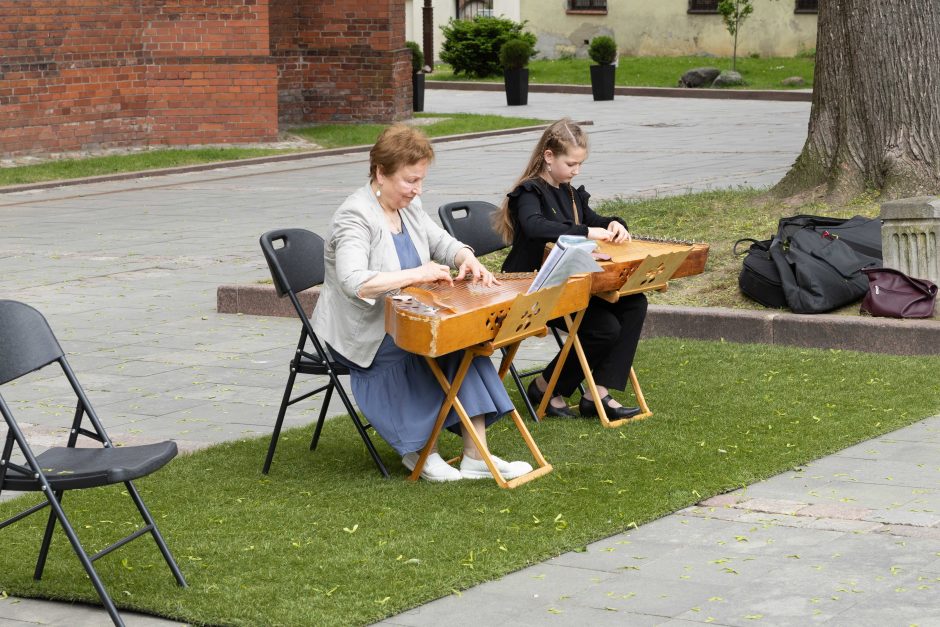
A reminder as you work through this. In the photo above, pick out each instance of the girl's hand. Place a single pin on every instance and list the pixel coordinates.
(432, 272)
(472, 267)
(599, 234)
(618, 233)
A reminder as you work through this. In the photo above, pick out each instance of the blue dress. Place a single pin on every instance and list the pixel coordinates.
(400, 396)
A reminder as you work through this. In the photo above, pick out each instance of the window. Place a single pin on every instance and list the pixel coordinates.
(469, 9)
(703, 6)
(807, 6)
(587, 5)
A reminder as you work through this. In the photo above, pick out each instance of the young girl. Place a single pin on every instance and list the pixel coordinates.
(542, 206)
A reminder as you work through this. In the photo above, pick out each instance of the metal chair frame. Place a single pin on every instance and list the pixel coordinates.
(295, 259)
(471, 222)
(27, 344)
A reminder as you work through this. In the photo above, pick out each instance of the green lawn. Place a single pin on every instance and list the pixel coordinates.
(324, 539)
(660, 71)
(323, 136)
(62, 169)
(336, 135)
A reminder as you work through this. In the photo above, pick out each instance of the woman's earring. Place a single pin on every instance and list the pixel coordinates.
(549, 167)
(378, 192)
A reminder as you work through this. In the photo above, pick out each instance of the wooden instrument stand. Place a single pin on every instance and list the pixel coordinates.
(526, 317)
(652, 273)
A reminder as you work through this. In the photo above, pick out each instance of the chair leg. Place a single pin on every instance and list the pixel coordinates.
(59, 514)
(522, 392)
(155, 532)
(280, 420)
(47, 539)
(354, 415)
(320, 420)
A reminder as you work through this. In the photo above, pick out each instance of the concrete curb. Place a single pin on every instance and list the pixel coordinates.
(870, 335)
(649, 92)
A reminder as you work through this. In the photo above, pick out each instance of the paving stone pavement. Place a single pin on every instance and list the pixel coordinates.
(126, 273)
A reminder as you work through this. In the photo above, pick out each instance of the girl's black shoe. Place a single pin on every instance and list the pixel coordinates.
(588, 409)
(535, 396)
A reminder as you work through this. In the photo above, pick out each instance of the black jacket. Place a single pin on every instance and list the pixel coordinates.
(540, 215)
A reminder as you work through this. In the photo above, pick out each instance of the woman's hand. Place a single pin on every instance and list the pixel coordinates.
(432, 272)
(472, 267)
(599, 234)
(618, 233)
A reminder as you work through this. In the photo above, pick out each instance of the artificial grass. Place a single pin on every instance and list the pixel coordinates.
(323, 540)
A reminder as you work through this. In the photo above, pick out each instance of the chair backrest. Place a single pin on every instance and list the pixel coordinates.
(472, 223)
(295, 258)
(26, 341)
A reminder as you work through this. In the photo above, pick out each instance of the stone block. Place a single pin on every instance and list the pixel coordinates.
(262, 300)
(909, 236)
(709, 323)
(870, 335)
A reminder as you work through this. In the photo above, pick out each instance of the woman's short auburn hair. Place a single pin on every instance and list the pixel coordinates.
(398, 145)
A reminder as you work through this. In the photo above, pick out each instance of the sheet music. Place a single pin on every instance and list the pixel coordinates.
(570, 255)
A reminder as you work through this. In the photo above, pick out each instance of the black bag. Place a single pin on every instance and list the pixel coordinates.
(862, 234)
(819, 273)
(816, 263)
(759, 278)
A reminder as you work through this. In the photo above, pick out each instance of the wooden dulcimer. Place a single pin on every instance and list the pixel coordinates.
(643, 265)
(434, 319)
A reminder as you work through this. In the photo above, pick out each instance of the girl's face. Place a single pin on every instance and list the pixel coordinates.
(400, 188)
(563, 167)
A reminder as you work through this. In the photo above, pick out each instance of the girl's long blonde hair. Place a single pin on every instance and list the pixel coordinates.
(560, 137)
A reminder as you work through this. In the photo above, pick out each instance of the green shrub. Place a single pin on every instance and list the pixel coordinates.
(417, 57)
(472, 47)
(515, 54)
(603, 50)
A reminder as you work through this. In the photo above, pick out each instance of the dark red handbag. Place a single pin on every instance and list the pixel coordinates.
(893, 294)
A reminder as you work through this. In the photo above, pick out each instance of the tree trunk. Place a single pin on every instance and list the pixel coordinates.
(875, 118)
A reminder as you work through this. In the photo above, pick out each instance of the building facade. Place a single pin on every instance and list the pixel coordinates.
(87, 74)
(776, 28)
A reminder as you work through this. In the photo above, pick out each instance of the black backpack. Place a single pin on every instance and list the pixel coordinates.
(759, 278)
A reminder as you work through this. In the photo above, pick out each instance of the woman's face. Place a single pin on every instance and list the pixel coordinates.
(401, 187)
(565, 166)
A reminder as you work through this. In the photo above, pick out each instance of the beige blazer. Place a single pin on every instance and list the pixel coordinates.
(358, 246)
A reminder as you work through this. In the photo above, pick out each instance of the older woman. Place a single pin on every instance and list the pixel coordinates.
(381, 240)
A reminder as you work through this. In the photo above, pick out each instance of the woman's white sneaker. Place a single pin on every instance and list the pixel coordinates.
(476, 468)
(435, 468)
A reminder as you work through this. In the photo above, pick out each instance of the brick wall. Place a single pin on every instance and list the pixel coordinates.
(83, 74)
(341, 60)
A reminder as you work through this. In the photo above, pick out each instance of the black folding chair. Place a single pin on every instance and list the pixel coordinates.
(471, 222)
(27, 344)
(295, 258)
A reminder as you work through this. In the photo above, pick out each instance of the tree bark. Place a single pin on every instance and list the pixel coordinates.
(875, 118)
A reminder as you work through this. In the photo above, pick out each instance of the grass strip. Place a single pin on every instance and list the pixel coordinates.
(340, 135)
(324, 136)
(323, 539)
(760, 73)
(63, 169)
